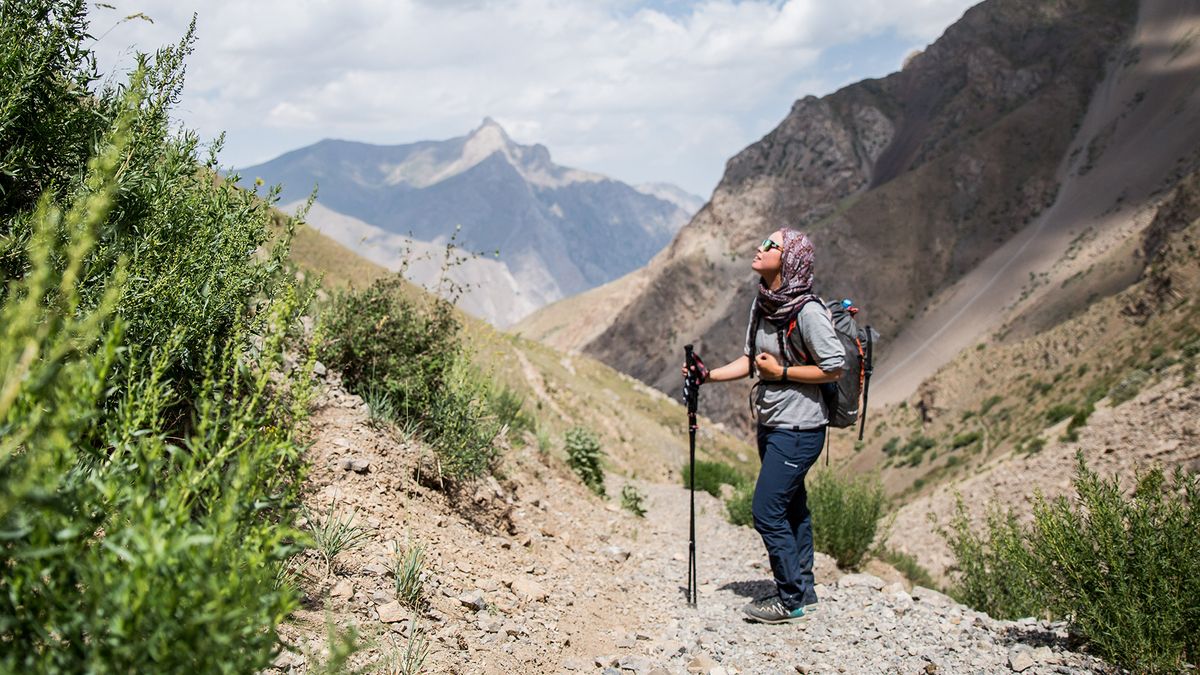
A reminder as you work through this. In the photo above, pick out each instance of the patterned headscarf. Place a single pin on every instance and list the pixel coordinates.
(781, 304)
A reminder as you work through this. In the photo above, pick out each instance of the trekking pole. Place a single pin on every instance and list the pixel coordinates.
(692, 400)
(870, 368)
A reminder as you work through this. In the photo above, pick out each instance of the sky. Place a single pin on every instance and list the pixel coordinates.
(639, 90)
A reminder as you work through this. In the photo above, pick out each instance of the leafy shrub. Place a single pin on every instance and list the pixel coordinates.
(908, 566)
(993, 569)
(891, 446)
(508, 407)
(632, 500)
(1128, 387)
(710, 476)
(989, 403)
(1125, 568)
(118, 553)
(404, 356)
(460, 425)
(1060, 412)
(845, 515)
(964, 439)
(384, 341)
(739, 508)
(583, 456)
(149, 465)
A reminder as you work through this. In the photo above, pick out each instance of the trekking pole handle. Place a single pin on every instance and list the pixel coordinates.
(693, 378)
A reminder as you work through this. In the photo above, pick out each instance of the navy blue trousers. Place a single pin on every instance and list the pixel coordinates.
(781, 508)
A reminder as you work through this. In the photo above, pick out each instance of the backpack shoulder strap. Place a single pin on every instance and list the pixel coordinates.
(754, 319)
(805, 357)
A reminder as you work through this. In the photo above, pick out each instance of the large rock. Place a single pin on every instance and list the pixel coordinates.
(528, 590)
(861, 580)
(392, 612)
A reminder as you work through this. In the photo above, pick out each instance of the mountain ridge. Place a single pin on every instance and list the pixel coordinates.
(926, 182)
(545, 224)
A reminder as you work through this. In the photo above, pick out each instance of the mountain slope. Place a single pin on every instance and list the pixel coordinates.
(556, 230)
(909, 183)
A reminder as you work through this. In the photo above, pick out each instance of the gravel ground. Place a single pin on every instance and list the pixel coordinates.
(534, 574)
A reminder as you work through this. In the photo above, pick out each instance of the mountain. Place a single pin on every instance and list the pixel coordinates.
(558, 231)
(965, 199)
(685, 200)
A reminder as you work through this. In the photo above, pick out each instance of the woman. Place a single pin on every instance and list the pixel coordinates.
(790, 412)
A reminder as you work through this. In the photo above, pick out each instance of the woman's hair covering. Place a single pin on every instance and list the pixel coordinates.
(781, 305)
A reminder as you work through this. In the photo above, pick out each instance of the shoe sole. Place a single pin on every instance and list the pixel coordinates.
(793, 619)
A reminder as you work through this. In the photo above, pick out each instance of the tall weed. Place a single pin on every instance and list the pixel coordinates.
(583, 456)
(845, 515)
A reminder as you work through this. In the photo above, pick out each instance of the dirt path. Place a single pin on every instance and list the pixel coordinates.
(534, 574)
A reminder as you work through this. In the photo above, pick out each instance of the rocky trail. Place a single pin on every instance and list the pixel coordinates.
(532, 573)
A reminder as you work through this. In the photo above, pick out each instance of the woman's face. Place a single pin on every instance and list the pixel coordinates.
(768, 258)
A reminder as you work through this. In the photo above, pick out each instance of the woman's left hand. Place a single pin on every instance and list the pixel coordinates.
(768, 366)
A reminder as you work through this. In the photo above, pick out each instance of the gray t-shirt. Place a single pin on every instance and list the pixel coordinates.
(793, 404)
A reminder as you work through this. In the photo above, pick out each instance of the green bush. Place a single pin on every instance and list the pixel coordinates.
(892, 445)
(461, 426)
(129, 530)
(993, 569)
(583, 456)
(966, 438)
(1060, 412)
(384, 341)
(1125, 568)
(845, 515)
(149, 458)
(509, 409)
(710, 476)
(404, 356)
(739, 508)
(1128, 387)
(632, 501)
(989, 403)
(908, 566)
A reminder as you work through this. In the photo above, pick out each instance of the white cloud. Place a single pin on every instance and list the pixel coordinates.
(608, 85)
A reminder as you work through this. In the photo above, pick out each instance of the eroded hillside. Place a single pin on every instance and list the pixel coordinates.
(932, 193)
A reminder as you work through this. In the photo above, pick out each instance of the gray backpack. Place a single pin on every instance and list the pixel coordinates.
(843, 397)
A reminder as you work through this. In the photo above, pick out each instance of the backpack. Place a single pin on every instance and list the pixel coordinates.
(841, 397)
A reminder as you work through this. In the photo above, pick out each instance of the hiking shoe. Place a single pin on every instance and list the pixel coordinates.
(771, 610)
(810, 602)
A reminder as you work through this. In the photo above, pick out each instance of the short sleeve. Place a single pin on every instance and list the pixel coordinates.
(823, 344)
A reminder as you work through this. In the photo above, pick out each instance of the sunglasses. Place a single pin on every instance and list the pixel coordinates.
(767, 245)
